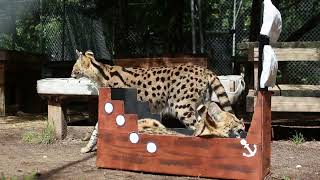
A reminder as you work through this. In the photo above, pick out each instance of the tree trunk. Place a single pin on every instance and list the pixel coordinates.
(121, 28)
(175, 28)
(255, 20)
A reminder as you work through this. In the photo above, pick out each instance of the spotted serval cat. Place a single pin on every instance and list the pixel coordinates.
(169, 90)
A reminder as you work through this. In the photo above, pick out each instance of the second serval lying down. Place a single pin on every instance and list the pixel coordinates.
(212, 122)
(169, 90)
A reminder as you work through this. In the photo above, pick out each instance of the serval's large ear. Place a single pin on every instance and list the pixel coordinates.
(89, 54)
(200, 110)
(86, 59)
(78, 53)
(215, 112)
(200, 115)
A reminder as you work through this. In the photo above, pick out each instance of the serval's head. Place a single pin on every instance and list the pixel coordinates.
(213, 122)
(83, 65)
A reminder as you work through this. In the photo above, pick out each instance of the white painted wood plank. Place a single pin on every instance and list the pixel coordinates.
(66, 86)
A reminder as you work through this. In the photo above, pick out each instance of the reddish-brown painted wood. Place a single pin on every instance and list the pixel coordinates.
(161, 61)
(189, 156)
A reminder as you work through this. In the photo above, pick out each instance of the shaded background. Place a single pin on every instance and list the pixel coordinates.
(149, 28)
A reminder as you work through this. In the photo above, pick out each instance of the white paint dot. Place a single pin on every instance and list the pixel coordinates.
(120, 120)
(151, 147)
(134, 138)
(108, 107)
(243, 142)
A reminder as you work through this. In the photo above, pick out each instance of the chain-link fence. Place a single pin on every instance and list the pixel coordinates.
(299, 24)
(20, 25)
(300, 15)
(53, 27)
(218, 47)
(147, 28)
(70, 26)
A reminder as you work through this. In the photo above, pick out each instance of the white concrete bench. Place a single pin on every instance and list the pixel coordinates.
(59, 90)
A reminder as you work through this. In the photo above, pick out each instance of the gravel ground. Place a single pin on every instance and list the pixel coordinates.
(63, 160)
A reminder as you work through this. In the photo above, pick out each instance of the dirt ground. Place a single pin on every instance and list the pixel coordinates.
(63, 160)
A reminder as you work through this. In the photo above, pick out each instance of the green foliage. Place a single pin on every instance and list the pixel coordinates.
(47, 136)
(5, 41)
(285, 178)
(297, 138)
(30, 137)
(33, 176)
(32, 27)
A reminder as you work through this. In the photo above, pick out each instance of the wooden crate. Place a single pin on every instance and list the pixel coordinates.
(19, 73)
(230, 158)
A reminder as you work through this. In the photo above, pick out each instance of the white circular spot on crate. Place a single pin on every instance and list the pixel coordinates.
(108, 107)
(243, 142)
(151, 147)
(120, 120)
(134, 138)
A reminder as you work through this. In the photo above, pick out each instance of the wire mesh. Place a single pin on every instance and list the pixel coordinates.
(218, 47)
(297, 15)
(303, 73)
(58, 27)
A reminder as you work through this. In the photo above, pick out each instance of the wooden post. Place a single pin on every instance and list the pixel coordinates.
(2, 90)
(56, 117)
(256, 83)
(260, 131)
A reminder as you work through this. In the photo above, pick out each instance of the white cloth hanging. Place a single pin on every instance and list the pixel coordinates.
(271, 27)
(270, 68)
(272, 22)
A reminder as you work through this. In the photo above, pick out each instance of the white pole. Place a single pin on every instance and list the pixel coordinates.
(193, 27)
(200, 26)
(234, 28)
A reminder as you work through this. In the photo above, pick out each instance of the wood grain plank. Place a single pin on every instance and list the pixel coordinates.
(2, 90)
(287, 104)
(297, 44)
(202, 157)
(299, 90)
(293, 54)
(2, 101)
